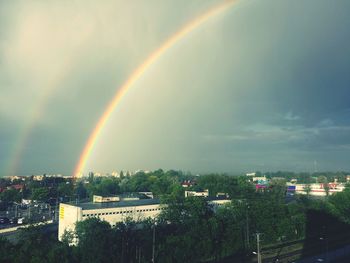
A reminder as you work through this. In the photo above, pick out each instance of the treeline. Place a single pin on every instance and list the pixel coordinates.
(191, 230)
(308, 178)
(161, 183)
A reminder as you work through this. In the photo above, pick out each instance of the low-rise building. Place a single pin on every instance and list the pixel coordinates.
(115, 212)
(111, 212)
(204, 193)
(319, 189)
(105, 199)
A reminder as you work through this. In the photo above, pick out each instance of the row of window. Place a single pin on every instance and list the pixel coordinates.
(123, 212)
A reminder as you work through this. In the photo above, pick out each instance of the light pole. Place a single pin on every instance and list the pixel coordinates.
(154, 241)
(247, 227)
(326, 243)
(258, 247)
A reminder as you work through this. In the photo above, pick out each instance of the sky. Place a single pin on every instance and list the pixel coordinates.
(264, 86)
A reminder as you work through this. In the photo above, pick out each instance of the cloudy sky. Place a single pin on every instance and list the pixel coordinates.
(265, 85)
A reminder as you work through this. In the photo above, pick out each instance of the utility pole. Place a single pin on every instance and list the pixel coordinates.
(154, 241)
(247, 227)
(258, 247)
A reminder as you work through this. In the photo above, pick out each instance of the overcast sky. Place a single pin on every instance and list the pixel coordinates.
(265, 86)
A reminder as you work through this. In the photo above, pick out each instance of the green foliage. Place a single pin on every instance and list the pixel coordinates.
(189, 230)
(94, 241)
(10, 195)
(307, 178)
(104, 186)
(80, 190)
(7, 251)
(341, 205)
(36, 246)
(235, 186)
(65, 189)
(40, 194)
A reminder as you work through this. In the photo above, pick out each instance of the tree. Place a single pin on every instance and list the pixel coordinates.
(307, 189)
(94, 241)
(81, 191)
(7, 251)
(65, 189)
(40, 194)
(322, 179)
(341, 203)
(10, 195)
(326, 188)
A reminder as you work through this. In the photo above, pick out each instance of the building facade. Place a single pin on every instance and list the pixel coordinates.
(111, 212)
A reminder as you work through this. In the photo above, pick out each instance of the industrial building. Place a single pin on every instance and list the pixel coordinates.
(111, 212)
(114, 212)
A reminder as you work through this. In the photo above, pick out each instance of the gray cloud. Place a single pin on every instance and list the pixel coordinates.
(264, 85)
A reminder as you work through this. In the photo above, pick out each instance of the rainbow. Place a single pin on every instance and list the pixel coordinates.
(34, 117)
(138, 72)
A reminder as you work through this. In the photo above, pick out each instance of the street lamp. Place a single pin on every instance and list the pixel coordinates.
(154, 241)
(326, 243)
(258, 252)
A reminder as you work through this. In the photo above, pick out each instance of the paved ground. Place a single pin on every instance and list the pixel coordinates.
(50, 228)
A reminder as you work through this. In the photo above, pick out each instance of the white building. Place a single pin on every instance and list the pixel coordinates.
(105, 199)
(205, 193)
(319, 189)
(112, 212)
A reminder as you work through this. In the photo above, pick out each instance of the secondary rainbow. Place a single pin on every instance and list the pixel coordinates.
(34, 116)
(139, 71)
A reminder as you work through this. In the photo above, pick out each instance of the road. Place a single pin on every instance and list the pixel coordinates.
(33, 213)
(13, 236)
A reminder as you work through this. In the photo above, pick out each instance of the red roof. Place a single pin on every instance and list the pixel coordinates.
(17, 186)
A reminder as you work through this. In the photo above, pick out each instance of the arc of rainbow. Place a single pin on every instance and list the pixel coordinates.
(34, 117)
(138, 72)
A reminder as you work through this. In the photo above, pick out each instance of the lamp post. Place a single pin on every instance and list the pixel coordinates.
(258, 253)
(247, 226)
(154, 241)
(326, 243)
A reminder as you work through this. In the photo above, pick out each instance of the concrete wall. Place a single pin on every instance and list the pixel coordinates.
(121, 214)
(68, 216)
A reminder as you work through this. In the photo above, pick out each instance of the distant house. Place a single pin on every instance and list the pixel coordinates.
(205, 193)
(19, 187)
(187, 183)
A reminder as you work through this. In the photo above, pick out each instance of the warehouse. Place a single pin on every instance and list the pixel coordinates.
(112, 212)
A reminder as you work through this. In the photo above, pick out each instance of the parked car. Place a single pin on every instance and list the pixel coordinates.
(4, 220)
(13, 220)
(20, 220)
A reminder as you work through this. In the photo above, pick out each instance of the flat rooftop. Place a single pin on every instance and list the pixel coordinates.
(93, 206)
